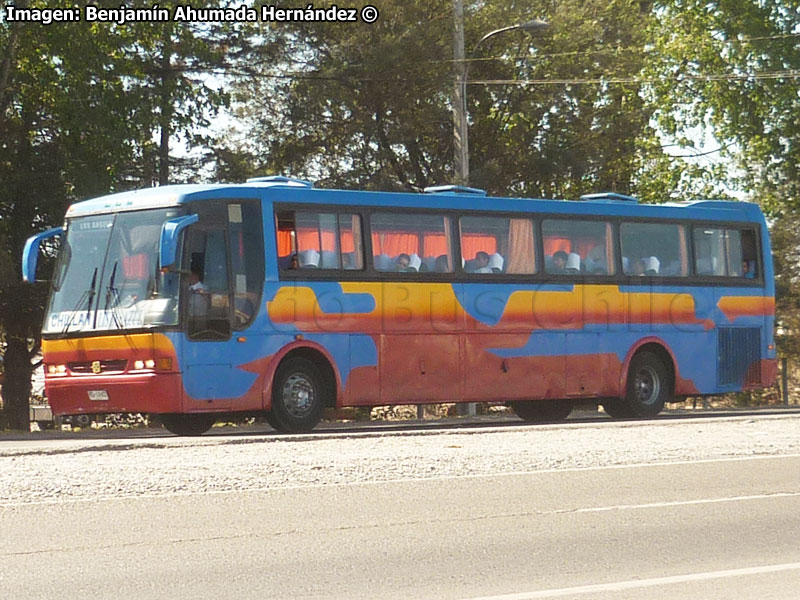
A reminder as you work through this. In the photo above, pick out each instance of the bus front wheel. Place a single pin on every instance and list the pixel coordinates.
(195, 424)
(297, 397)
(542, 411)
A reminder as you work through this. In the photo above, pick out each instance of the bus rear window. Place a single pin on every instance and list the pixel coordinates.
(725, 252)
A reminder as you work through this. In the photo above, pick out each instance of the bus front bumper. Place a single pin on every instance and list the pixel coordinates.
(135, 393)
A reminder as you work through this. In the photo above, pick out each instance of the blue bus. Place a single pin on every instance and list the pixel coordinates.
(276, 298)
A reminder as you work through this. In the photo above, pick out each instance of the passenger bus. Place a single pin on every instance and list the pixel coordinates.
(272, 297)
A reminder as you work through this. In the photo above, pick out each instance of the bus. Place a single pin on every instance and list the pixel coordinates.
(276, 298)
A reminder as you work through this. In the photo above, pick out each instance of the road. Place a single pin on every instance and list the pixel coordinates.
(721, 527)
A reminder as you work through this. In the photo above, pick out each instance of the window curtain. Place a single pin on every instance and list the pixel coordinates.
(521, 254)
(683, 250)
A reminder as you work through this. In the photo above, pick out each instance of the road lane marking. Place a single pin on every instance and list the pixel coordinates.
(676, 503)
(644, 583)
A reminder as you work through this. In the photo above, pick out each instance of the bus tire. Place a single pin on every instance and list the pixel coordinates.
(649, 385)
(542, 411)
(297, 396)
(194, 424)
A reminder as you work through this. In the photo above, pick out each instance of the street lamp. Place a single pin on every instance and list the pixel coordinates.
(460, 125)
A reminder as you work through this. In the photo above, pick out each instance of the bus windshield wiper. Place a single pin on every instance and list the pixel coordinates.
(89, 293)
(112, 297)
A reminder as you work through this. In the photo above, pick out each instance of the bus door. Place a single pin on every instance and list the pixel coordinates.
(208, 312)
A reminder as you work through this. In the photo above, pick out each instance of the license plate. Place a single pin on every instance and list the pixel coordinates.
(98, 395)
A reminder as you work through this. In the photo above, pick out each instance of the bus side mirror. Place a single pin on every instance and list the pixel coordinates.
(170, 237)
(30, 254)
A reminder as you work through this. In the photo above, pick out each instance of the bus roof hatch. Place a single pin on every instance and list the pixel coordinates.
(454, 189)
(608, 197)
(281, 179)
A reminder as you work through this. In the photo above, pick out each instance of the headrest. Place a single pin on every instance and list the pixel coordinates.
(573, 261)
(309, 258)
(414, 262)
(496, 262)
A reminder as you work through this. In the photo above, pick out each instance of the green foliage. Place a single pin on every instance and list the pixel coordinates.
(369, 107)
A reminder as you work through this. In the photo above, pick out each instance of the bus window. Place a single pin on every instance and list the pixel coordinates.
(578, 247)
(725, 252)
(247, 259)
(495, 245)
(654, 249)
(209, 292)
(410, 243)
(310, 240)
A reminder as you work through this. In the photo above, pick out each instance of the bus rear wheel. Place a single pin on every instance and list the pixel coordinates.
(297, 397)
(649, 385)
(195, 424)
(542, 411)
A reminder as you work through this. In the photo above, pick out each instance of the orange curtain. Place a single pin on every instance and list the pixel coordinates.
(394, 243)
(284, 242)
(521, 254)
(472, 243)
(435, 244)
(553, 245)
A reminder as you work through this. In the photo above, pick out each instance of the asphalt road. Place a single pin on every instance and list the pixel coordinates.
(723, 528)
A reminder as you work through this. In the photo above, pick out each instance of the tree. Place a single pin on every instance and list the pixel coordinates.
(369, 106)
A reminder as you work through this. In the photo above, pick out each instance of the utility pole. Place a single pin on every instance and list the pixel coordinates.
(460, 132)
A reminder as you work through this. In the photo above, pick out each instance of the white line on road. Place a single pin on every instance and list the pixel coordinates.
(643, 583)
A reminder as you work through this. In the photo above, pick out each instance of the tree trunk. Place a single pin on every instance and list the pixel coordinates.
(17, 384)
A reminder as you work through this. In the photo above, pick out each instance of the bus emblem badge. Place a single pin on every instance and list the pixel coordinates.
(96, 367)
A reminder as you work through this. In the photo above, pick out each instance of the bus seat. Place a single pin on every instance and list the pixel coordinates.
(309, 259)
(651, 266)
(626, 265)
(383, 263)
(414, 262)
(573, 266)
(496, 263)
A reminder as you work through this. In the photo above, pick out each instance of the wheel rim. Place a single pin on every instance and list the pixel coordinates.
(298, 395)
(647, 385)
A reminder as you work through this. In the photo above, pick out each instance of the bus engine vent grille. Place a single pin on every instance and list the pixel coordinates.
(739, 351)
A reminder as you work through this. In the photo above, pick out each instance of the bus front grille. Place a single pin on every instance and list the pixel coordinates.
(97, 367)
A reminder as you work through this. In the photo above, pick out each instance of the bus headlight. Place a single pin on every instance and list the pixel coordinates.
(138, 365)
(150, 364)
(56, 369)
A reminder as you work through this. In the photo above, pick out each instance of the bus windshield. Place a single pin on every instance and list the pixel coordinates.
(107, 276)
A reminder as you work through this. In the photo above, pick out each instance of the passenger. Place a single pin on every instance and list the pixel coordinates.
(481, 261)
(747, 273)
(196, 284)
(559, 262)
(401, 262)
(294, 263)
(638, 268)
(442, 264)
